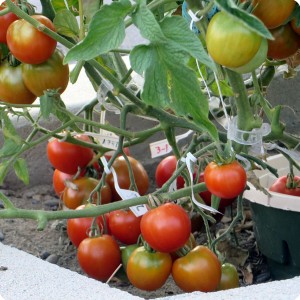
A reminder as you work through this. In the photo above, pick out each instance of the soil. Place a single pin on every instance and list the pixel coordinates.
(53, 245)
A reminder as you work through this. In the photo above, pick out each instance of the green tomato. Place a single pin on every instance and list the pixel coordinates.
(229, 42)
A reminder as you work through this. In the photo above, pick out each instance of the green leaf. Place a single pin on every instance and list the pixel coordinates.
(247, 19)
(90, 7)
(170, 83)
(4, 166)
(9, 131)
(9, 148)
(106, 32)
(185, 39)
(46, 105)
(225, 88)
(21, 170)
(144, 19)
(72, 5)
(66, 24)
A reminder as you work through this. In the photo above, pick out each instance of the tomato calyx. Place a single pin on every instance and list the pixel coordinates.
(224, 156)
(292, 182)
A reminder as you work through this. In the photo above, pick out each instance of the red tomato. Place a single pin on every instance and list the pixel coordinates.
(166, 228)
(12, 87)
(281, 186)
(124, 226)
(28, 44)
(59, 178)
(206, 196)
(79, 190)
(121, 168)
(78, 228)
(5, 21)
(225, 181)
(148, 270)
(68, 157)
(99, 256)
(51, 74)
(199, 270)
(286, 42)
(229, 277)
(273, 13)
(165, 170)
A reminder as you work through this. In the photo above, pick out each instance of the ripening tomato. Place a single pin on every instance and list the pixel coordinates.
(110, 153)
(166, 228)
(51, 74)
(225, 181)
(78, 192)
(5, 21)
(283, 186)
(199, 270)
(124, 226)
(12, 86)
(99, 256)
(165, 170)
(121, 168)
(229, 278)
(28, 44)
(59, 181)
(206, 196)
(286, 42)
(229, 42)
(148, 270)
(78, 228)
(257, 60)
(68, 157)
(126, 253)
(273, 13)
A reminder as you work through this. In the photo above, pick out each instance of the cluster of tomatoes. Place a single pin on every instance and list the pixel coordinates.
(149, 244)
(33, 64)
(233, 45)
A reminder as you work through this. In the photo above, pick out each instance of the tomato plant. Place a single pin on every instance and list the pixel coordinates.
(121, 168)
(158, 226)
(78, 229)
(68, 157)
(126, 253)
(51, 74)
(5, 21)
(229, 42)
(286, 42)
(125, 226)
(12, 87)
(286, 185)
(273, 13)
(165, 170)
(199, 270)
(99, 256)
(28, 44)
(78, 192)
(229, 278)
(225, 180)
(148, 270)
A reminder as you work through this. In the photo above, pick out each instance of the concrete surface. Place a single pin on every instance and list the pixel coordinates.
(29, 278)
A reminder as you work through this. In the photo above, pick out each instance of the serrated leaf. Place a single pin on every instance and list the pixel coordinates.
(9, 131)
(21, 170)
(248, 20)
(4, 166)
(47, 106)
(169, 83)
(9, 148)
(185, 39)
(66, 24)
(146, 22)
(106, 32)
